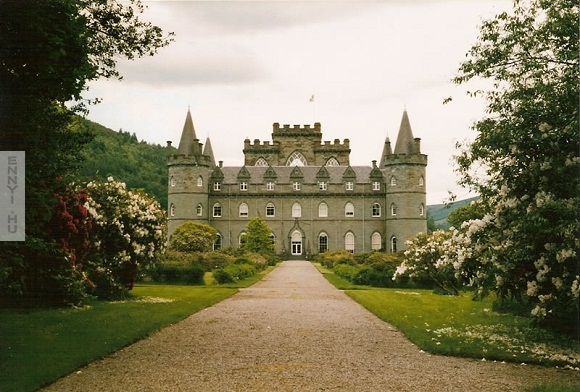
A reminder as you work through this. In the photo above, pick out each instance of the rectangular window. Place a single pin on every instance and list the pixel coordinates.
(270, 186)
(217, 186)
(270, 210)
(243, 186)
(376, 186)
(349, 186)
(296, 186)
(322, 186)
(217, 211)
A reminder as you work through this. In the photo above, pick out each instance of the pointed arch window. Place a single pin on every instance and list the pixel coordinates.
(421, 210)
(172, 181)
(393, 244)
(200, 181)
(270, 210)
(421, 181)
(218, 242)
(199, 209)
(296, 210)
(323, 210)
(243, 210)
(376, 241)
(172, 210)
(393, 181)
(349, 242)
(349, 209)
(322, 242)
(242, 238)
(376, 210)
(296, 159)
(393, 209)
(261, 162)
(217, 210)
(332, 162)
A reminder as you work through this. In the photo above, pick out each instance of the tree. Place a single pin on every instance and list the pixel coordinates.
(193, 237)
(465, 213)
(258, 237)
(528, 146)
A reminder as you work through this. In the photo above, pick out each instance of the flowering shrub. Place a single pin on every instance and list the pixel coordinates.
(128, 229)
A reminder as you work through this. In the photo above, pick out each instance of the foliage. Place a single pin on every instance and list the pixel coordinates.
(258, 237)
(193, 237)
(332, 258)
(528, 148)
(471, 211)
(129, 229)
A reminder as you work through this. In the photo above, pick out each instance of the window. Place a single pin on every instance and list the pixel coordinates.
(393, 244)
(349, 186)
(376, 210)
(393, 181)
(199, 210)
(242, 238)
(296, 210)
(273, 239)
(243, 210)
(323, 210)
(421, 210)
(199, 181)
(172, 181)
(376, 241)
(218, 242)
(421, 181)
(349, 209)
(322, 185)
(322, 242)
(393, 209)
(217, 186)
(217, 210)
(270, 210)
(376, 186)
(172, 209)
(332, 162)
(349, 242)
(296, 159)
(270, 186)
(261, 162)
(296, 186)
(243, 186)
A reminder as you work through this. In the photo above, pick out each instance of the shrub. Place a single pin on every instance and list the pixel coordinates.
(175, 272)
(221, 276)
(346, 271)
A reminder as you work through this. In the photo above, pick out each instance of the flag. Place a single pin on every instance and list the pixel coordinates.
(312, 98)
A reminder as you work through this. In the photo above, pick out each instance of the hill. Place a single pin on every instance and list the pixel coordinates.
(122, 156)
(439, 212)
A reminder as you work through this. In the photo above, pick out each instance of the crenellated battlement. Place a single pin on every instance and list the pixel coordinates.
(302, 129)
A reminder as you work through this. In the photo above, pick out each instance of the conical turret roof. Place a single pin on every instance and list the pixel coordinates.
(405, 138)
(208, 151)
(386, 151)
(188, 137)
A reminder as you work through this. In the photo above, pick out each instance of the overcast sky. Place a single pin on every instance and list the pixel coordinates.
(242, 66)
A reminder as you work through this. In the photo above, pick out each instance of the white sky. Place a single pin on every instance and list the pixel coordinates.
(242, 66)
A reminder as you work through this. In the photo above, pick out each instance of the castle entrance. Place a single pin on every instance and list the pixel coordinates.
(296, 243)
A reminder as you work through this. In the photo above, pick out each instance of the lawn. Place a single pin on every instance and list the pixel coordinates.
(39, 346)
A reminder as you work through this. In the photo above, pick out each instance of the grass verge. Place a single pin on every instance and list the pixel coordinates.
(39, 346)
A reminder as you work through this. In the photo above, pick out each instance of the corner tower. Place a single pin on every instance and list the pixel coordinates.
(404, 171)
(189, 168)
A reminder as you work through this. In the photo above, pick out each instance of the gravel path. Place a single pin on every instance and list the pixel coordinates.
(293, 331)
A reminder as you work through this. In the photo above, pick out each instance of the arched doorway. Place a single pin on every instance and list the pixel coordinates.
(296, 243)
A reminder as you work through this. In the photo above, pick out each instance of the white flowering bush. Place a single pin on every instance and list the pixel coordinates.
(128, 230)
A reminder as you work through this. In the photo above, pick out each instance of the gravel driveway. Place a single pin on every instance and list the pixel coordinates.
(293, 331)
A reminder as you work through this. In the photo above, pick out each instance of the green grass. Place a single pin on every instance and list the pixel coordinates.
(39, 346)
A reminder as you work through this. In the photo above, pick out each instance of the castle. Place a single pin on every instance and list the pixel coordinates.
(305, 190)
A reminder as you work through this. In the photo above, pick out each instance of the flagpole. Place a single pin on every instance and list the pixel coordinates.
(313, 108)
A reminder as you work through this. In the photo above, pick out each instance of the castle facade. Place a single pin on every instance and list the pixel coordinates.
(305, 190)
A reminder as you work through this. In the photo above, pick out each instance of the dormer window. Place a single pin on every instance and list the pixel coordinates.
(349, 185)
(243, 186)
(376, 186)
(323, 185)
(270, 186)
(217, 186)
(296, 186)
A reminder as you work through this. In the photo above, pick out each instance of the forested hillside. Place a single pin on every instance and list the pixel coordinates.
(439, 212)
(122, 156)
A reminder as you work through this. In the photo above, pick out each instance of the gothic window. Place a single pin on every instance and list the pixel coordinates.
(349, 209)
(243, 210)
(199, 209)
(322, 242)
(296, 210)
(217, 210)
(376, 186)
(393, 181)
(172, 209)
(349, 242)
(296, 159)
(393, 209)
(270, 186)
(332, 162)
(421, 181)
(393, 244)
(242, 238)
(323, 210)
(376, 210)
(322, 185)
(349, 186)
(296, 186)
(199, 181)
(421, 210)
(218, 242)
(270, 210)
(261, 162)
(172, 181)
(243, 186)
(217, 186)
(376, 241)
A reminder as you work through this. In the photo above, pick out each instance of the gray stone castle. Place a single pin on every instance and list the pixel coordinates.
(305, 189)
